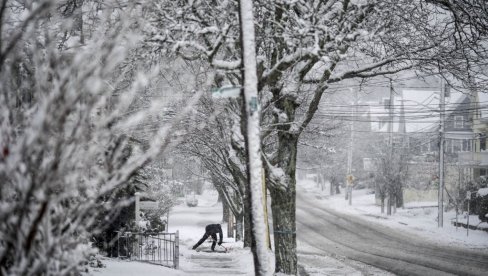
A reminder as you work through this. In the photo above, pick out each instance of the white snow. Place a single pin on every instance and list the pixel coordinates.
(115, 267)
(191, 221)
(483, 191)
(412, 219)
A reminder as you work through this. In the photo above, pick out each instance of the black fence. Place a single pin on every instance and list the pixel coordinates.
(158, 248)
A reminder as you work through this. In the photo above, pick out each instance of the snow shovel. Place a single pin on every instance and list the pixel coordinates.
(225, 248)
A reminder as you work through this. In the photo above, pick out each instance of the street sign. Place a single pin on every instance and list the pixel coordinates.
(227, 91)
(253, 104)
(148, 205)
(350, 180)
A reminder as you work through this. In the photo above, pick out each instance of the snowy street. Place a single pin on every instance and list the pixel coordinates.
(352, 238)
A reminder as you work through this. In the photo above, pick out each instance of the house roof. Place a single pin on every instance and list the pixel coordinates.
(483, 103)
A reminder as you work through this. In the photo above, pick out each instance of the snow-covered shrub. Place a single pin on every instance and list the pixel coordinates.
(482, 204)
(472, 187)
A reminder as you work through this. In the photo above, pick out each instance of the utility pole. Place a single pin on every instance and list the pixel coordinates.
(440, 219)
(251, 108)
(390, 145)
(350, 178)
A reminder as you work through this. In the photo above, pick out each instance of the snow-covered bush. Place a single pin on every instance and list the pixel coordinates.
(482, 204)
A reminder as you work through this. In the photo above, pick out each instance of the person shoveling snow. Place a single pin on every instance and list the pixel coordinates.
(211, 230)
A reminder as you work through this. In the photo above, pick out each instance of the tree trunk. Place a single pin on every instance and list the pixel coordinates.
(394, 201)
(239, 228)
(382, 204)
(388, 204)
(225, 209)
(332, 184)
(230, 225)
(284, 228)
(399, 197)
(283, 196)
(247, 227)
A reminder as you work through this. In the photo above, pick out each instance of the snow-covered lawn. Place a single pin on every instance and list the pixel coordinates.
(421, 221)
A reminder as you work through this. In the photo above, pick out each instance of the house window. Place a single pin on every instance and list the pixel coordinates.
(483, 172)
(434, 145)
(456, 145)
(466, 145)
(425, 147)
(458, 121)
(382, 122)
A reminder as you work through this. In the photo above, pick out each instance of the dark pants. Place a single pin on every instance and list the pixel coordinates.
(205, 237)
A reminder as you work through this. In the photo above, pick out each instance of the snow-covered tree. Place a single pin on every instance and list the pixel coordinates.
(466, 22)
(64, 126)
(220, 147)
(304, 48)
(391, 162)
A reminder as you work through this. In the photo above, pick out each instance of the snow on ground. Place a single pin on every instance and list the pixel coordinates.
(191, 222)
(315, 263)
(421, 221)
(115, 267)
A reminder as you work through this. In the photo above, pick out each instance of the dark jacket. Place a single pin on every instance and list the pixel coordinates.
(214, 229)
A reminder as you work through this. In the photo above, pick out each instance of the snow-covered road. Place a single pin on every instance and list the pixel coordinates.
(351, 239)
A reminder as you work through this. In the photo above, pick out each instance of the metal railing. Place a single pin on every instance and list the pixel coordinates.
(159, 248)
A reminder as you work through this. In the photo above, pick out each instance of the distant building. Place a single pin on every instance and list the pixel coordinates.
(415, 122)
(476, 160)
(413, 118)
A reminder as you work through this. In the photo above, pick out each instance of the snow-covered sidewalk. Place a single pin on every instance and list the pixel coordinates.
(191, 222)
